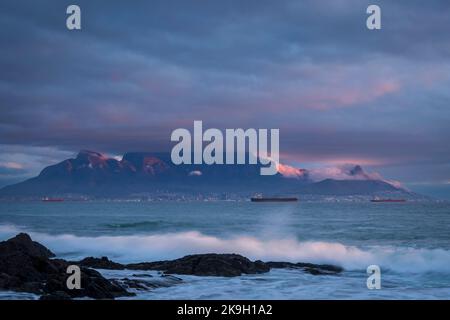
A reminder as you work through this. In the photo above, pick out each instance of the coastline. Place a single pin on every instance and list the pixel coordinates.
(28, 267)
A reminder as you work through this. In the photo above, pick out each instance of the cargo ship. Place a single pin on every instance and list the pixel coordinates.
(273, 199)
(47, 199)
(388, 200)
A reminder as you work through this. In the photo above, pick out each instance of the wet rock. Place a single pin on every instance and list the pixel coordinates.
(25, 266)
(136, 284)
(22, 243)
(171, 277)
(314, 269)
(100, 263)
(148, 283)
(98, 287)
(228, 265)
(133, 284)
(142, 275)
(211, 264)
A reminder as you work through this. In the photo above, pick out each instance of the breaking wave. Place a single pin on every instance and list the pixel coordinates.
(134, 248)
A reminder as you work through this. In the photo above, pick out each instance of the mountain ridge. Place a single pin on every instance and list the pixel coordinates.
(92, 174)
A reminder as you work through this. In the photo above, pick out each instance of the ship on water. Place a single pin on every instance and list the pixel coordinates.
(387, 200)
(47, 199)
(260, 198)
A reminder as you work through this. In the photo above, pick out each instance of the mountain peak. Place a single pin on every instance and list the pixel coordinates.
(356, 170)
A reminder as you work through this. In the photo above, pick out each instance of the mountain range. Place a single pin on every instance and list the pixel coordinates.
(91, 174)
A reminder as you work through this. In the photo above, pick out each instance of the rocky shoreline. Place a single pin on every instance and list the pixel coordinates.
(27, 266)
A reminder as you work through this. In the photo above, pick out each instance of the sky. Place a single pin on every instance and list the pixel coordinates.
(338, 92)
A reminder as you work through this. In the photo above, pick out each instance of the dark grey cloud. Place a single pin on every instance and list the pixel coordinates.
(138, 70)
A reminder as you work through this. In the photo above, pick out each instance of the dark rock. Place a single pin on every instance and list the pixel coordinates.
(320, 268)
(171, 277)
(151, 283)
(26, 266)
(23, 261)
(228, 265)
(148, 283)
(100, 263)
(225, 265)
(23, 243)
(142, 275)
(96, 286)
(136, 284)
(314, 269)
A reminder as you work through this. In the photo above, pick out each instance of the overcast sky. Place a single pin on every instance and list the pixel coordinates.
(338, 92)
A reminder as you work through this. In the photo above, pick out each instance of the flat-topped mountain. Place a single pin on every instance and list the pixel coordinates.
(95, 175)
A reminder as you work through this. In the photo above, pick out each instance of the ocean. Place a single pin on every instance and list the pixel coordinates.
(409, 241)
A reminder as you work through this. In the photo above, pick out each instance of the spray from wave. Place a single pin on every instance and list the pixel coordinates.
(174, 245)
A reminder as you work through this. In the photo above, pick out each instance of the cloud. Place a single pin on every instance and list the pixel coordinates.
(18, 164)
(291, 172)
(342, 172)
(11, 165)
(138, 71)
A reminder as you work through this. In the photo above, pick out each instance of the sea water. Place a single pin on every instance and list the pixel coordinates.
(409, 241)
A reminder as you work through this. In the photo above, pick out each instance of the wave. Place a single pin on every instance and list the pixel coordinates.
(137, 248)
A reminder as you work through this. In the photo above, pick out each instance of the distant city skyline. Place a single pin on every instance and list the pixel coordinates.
(339, 93)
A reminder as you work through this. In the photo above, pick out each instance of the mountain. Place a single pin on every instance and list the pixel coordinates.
(348, 187)
(92, 174)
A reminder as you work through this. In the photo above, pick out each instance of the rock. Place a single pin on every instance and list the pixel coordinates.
(314, 269)
(100, 263)
(23, 263)
(98, 287)
(224, 265)
(228, 265)
(133, 284)
(137, 284)
(149, 283)
(25, 266)
(142, 275)
(171, 277)
(23, 243)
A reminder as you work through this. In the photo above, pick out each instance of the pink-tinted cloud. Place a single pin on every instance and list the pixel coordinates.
(342, 172)
(323, 98)
(11, 165)
(291, 172)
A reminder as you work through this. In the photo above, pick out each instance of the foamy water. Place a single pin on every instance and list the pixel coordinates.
(410, 243)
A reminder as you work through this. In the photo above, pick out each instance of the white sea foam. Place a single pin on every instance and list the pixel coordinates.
(174, 245)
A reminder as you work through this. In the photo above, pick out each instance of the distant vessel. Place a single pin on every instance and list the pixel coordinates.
(47, 199)
(273, 199)
(388, 200)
